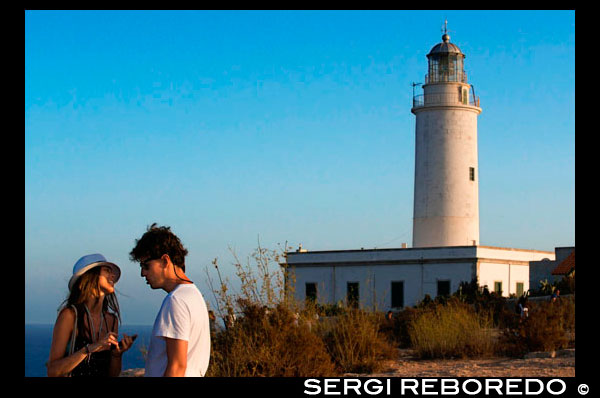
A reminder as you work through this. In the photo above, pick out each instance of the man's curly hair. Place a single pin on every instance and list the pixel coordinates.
(157, 241)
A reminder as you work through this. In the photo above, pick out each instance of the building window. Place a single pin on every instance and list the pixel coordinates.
(397, 294)
(352, 294)
(472, 173)
(443, 288)
(311, 292)
(498, 287)
(520, 288)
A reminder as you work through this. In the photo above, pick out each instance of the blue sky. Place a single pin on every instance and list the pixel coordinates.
(291, 126)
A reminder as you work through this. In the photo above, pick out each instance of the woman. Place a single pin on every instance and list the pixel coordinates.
(84, 341)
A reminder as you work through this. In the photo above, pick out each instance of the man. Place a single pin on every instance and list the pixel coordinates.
(180, 342)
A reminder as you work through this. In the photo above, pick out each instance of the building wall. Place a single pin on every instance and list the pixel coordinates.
(419, 268)
(509, 266)
(322, 276)
(515, 255)
(508, 274)
(375, 281)
(454, 272)
(410, 274)
(540, 271)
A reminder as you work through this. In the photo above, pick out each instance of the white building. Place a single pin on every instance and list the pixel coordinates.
(394, 278)
(446, 248)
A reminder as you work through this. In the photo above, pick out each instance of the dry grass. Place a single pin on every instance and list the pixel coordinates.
(452, 330)
(355, 342)
(550, 326)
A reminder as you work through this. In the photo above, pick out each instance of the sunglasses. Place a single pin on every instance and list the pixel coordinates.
(144, 264)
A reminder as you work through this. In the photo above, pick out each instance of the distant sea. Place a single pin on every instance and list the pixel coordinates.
(38, 338)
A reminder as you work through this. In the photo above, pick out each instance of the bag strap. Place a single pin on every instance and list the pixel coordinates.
(72, 346)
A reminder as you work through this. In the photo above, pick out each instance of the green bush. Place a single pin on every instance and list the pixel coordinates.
(566, 285)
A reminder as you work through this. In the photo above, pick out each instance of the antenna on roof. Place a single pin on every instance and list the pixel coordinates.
(445, 27)
(445, 30)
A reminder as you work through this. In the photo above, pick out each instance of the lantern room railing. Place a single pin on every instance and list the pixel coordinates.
(442, 77)
(443, 99)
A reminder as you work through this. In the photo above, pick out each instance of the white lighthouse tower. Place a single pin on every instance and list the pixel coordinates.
(446, 249)
(446, 199)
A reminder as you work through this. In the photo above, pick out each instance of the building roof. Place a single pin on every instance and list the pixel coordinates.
(435, 248)
(566, 266)
(444, 254)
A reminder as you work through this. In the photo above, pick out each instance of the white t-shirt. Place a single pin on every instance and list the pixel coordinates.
(183, 315)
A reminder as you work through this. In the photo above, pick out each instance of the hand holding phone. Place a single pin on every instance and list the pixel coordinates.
(132, 340)
(126, 342)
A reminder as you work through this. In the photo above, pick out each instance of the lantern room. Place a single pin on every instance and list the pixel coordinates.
(446, 63)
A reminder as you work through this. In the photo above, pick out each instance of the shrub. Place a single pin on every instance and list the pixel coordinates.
(354, 341)
(486, 303)
(566, 285)
(397, 330)
(451, 330)
(566, 308)
(269, 344)
(547, 328)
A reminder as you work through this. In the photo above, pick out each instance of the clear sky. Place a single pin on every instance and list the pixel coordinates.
(288, 126)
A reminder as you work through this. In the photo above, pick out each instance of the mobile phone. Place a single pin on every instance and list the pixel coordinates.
(121, 342)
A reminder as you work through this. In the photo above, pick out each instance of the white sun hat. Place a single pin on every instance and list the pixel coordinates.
(88, 262)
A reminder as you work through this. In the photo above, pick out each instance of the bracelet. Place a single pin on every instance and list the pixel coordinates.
(89, 353)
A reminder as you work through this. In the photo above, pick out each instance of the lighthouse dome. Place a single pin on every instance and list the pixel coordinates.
(445, 47)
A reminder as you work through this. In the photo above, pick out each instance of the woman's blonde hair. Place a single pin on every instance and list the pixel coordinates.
(87, 287)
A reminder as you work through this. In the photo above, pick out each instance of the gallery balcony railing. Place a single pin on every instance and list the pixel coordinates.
(443, 76)
(443, 99)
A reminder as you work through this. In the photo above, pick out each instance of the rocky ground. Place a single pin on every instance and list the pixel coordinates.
(132, 372)
(550, 364)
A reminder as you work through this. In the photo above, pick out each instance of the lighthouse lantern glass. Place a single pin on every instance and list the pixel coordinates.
(446, 67)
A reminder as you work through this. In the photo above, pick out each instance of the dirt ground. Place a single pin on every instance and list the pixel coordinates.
(536, 365)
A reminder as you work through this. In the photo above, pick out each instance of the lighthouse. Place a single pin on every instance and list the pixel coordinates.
(446, 250)
(446, 199)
